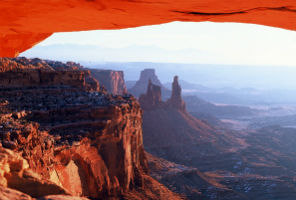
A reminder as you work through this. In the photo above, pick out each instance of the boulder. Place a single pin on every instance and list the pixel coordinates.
(10, 194)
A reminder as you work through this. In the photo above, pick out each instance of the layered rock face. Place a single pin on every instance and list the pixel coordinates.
(113, 81)
(141, 85)
(107, 140)
(26, 23)
(25, 64)
(70, 140)
(22, 72)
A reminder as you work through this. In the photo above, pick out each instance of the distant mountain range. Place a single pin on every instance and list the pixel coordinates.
(94, 53)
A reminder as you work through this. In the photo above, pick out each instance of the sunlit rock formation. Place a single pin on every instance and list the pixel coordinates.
(60, 138)
(25, 23)
(22, 72)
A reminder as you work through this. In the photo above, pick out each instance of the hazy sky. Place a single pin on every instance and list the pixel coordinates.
(214, 43)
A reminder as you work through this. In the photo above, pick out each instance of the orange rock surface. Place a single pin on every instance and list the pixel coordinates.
(25, 23)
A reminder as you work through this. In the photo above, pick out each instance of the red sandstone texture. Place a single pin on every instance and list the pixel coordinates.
(59, 138)
(21, 72)
(25, 23)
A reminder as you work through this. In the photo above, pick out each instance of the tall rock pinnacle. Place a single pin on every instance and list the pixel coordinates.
(152, 98)
(176, 100)
(142, 83)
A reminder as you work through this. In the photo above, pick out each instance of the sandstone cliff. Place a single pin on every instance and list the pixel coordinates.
(22, 72)
(67, 139)
(113, 81)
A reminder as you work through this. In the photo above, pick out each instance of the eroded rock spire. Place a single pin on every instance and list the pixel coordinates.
(176, 100)
(152, 98)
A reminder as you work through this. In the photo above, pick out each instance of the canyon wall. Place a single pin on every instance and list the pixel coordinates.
(113, 81)
(65, 139)
(22, 72)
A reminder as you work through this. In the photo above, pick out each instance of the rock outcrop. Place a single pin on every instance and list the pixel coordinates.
(106, 156)
(152, 98)
(68, 139)
(22, 72)
(169, 130)
(112, 80)
(141, 85)
(26, 23)
(9, 194)
(176, 100)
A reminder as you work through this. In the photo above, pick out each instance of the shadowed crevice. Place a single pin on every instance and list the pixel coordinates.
(283, 8)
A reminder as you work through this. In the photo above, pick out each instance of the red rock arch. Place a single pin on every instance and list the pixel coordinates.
(25, 23)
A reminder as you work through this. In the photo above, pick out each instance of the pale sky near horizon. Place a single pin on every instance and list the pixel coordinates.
(212, 43)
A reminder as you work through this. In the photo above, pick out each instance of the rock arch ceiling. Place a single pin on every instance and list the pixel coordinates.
(25, 23)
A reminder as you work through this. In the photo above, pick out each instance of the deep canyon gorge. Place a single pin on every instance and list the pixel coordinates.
(70, 131)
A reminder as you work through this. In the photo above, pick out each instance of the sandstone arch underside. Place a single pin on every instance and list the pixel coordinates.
(27, 22)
